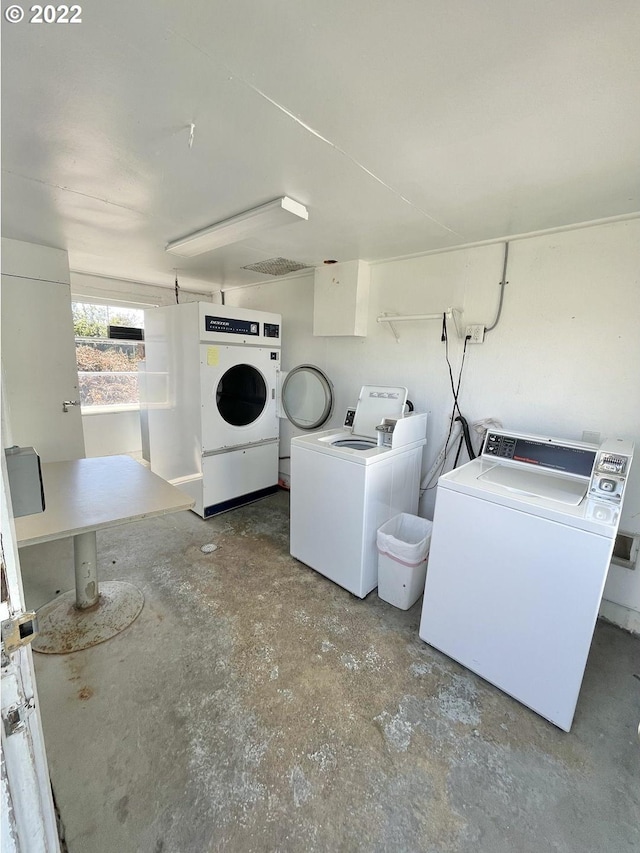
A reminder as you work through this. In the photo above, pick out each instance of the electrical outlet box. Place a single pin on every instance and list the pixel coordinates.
(475, 333)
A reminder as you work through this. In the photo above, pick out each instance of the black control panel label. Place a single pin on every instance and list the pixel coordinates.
(271, 330)
(230, 326)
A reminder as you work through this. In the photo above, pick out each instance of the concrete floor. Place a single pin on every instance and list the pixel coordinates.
(256, 706)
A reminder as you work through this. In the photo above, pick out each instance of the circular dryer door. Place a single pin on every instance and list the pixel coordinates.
(241, 395)
(307, 397)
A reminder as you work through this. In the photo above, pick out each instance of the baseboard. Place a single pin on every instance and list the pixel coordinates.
(234, 503)
(618, 614)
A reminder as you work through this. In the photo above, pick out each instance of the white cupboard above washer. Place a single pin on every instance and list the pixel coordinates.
(341, 299)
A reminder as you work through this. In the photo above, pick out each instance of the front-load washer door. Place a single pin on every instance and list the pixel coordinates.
(238, 395)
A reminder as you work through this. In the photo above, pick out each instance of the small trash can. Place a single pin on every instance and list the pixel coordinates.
(403, 545)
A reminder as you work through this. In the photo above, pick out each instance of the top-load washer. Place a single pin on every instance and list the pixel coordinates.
(521, 545)
(347, 482)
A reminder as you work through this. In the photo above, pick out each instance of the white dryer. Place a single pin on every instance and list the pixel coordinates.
(212, 401)
(347, 482)
(521, 545)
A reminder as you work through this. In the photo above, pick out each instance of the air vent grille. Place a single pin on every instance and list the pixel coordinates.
(276, 266)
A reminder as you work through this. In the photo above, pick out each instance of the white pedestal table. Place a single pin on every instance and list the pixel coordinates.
(83, 496)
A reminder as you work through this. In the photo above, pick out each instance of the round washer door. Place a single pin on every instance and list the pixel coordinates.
(307, 397)
(241, 395)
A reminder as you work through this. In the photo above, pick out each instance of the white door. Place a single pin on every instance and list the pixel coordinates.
(38, 351)
(28, 816)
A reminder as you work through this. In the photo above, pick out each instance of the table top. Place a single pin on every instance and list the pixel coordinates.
(89, 494)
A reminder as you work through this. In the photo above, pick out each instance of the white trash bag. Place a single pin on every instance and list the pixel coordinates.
(406, 538)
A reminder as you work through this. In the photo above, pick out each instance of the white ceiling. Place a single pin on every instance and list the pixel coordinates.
(403, 126)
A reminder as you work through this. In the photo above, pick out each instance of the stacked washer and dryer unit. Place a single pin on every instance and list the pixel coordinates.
(211, 381)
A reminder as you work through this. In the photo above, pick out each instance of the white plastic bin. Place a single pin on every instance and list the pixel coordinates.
(403, 546)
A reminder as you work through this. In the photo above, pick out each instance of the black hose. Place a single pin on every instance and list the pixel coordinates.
(467, 436)
(455, 461)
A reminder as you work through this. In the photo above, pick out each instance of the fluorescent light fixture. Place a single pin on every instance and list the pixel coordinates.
(281, 211)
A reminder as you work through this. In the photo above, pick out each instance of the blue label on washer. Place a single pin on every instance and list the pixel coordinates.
(230, 326)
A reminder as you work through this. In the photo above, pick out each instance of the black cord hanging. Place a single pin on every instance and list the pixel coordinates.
(177, 288)
(455, 390)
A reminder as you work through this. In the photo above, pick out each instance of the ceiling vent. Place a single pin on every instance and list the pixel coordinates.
(276, 266)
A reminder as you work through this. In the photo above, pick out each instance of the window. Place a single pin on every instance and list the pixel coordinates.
(108, 348)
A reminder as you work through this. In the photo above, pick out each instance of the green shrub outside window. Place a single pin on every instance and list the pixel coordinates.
(107, 366)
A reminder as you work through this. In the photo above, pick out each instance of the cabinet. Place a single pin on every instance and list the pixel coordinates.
(341, 299)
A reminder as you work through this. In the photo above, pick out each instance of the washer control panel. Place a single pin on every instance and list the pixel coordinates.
(552, 454)
(502, 446)
(271, 330)
(605, 468)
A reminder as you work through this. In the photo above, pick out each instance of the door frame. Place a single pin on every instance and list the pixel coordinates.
(29, 823)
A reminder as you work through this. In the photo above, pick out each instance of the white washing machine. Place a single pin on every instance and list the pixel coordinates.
(521, 545)
(347, 482)
(211, 387)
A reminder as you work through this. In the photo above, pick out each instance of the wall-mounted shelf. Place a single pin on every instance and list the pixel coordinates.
(450, 313)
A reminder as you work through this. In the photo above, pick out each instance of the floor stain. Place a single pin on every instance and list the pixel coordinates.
(122, 808)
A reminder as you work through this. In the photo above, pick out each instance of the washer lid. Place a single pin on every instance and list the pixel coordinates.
(307, 397)
(375, 403)
(537, 484)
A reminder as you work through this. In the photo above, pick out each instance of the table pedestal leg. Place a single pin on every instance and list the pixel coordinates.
(86, 616)
(85, 558)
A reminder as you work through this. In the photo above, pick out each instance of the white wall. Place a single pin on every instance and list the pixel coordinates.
(110, 433)
(38, 354)
(564, 358)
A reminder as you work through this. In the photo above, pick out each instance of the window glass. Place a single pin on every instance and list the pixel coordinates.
(107, 364)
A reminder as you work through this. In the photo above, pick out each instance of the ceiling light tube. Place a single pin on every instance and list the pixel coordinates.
(281, 211)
